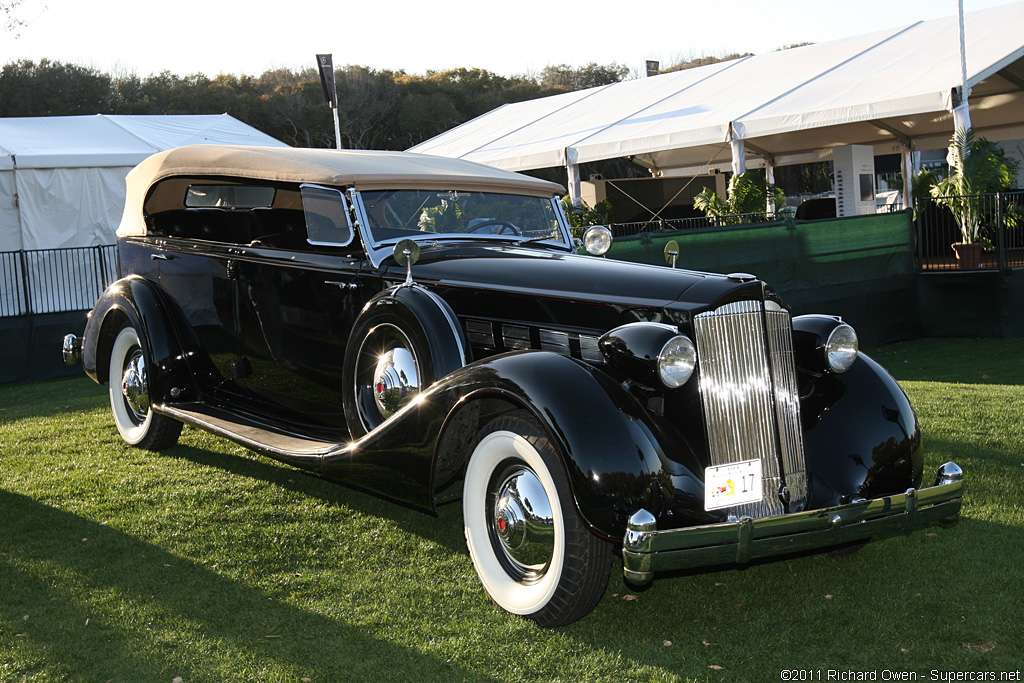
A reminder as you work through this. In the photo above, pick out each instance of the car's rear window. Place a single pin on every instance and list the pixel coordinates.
(230, 196)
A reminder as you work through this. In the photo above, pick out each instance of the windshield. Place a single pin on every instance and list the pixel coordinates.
(394, 214)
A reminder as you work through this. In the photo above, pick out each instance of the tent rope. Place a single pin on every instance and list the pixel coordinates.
(656, 214)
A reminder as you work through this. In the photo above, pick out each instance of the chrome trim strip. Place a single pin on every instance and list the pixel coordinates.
(554, 341)
(452, 322)
(377, 255)
(516, 337)
(589, 349)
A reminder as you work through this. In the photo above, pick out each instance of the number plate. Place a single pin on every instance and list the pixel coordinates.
(732, 484)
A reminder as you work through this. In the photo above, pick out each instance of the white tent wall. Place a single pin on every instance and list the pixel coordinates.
(62, 193)
(10, 223)
(70, 207)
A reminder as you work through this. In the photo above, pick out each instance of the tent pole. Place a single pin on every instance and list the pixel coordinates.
(907, 169)
(574, 184)
(769, 177)
(739, 156)
(961, 112)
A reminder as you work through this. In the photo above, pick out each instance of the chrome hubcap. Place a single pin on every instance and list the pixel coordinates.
(133, 385)
(395, 380)
(387, 376)
(523, 523)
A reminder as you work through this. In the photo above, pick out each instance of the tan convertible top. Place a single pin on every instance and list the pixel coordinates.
(362, 169)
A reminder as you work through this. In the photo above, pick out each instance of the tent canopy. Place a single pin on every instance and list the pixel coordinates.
(104, 141)
(62, 178)
(890, 89)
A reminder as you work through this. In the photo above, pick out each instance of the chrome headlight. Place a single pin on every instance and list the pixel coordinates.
(653, 355)
(676, 361)
(841, 348)
(824, 343)
(597, 240)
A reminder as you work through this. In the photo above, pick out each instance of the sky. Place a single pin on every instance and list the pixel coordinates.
(508, 38)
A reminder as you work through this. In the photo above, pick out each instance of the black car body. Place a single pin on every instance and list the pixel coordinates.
(404, 323)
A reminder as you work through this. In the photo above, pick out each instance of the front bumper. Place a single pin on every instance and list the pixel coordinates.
(646, 550)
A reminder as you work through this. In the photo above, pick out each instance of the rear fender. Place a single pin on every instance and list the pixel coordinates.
(169, 344)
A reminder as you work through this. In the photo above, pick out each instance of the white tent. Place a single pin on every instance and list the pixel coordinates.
(62, 178)
(893, 89)
(62, 185)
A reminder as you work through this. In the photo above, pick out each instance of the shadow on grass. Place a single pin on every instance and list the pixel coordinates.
(442, 530)
(66, 582)
(944, 597)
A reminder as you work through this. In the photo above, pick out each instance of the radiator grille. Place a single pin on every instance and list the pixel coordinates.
(751, 404)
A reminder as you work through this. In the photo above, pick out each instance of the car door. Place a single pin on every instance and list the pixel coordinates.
(298, 303)
(194, 271)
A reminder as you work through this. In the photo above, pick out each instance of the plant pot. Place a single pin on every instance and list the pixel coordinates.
(968, 254)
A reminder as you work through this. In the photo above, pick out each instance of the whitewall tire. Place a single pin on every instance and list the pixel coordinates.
(129, 396)
(532, 553)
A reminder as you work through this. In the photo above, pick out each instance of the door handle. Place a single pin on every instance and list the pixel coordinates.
(159, 257)
(343, 285)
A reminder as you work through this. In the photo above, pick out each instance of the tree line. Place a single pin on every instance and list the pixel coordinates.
(378, 109)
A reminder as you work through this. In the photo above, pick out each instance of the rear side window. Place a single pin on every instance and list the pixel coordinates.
(229, 196)
(327, 217)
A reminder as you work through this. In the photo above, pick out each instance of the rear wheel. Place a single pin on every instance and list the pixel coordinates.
(532, 552)
(130, 399)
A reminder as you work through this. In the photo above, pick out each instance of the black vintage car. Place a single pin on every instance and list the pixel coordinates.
(424, 329)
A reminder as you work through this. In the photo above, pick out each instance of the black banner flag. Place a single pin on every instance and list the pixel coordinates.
(326, 65)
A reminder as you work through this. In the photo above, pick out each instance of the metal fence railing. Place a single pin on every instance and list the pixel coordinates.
(992, 223)
(54, 280)
(698, 223)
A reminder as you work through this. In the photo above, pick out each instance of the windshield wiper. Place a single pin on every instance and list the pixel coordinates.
(534, 240)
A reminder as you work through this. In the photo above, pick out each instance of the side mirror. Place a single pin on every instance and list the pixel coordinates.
(407, 253)
(672, 252)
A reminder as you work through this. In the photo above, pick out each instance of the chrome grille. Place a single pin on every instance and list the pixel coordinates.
(751, 404)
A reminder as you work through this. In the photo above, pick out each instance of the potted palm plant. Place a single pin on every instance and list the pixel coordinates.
(747, 196)
(977, 167)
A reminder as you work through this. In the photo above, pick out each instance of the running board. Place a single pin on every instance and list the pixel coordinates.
(289, 448)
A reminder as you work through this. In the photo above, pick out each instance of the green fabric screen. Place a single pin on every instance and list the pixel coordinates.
(789, 255)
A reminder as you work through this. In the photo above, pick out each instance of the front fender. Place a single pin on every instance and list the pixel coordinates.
(168, 345)
(614, 454)
(861, 436)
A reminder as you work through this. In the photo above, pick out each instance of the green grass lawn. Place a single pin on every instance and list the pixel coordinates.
(209, 563)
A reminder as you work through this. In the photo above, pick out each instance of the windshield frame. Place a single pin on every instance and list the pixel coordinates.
(379, 249)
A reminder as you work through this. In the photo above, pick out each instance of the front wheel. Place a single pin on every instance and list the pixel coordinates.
(130, 400)
(533, 554)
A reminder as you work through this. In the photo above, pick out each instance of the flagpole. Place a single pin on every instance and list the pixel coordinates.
(962, 113)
